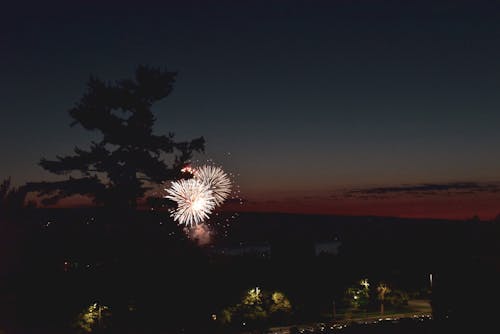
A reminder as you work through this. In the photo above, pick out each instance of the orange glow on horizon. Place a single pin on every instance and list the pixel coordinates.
(460, 206)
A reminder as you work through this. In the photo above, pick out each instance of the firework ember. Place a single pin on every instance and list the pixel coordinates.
(188, 169)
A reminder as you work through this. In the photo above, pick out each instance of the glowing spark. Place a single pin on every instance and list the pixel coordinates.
(188, 169)
(217, 181)
(195, 201)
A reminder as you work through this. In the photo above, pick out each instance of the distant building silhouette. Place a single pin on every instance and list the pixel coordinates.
(243, 249)
(327, 247)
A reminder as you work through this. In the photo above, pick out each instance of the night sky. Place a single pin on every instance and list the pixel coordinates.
(343, 107)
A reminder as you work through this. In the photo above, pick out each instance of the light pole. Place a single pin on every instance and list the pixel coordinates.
(334, 311)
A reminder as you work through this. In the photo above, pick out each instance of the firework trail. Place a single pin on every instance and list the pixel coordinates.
(195, 201)
(217, 180)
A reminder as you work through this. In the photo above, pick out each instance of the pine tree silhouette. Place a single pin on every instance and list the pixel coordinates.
(129, 159)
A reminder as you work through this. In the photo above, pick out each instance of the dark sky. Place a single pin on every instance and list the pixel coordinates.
(313, 99)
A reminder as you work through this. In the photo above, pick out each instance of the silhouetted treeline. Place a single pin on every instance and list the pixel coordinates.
(141, 264)
(128, 159)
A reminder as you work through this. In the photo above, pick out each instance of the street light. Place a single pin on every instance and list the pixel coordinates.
(364, 283)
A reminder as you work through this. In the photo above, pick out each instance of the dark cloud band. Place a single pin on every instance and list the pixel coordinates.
(429, 189)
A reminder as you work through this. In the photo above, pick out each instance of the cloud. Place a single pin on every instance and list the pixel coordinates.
(426, 189)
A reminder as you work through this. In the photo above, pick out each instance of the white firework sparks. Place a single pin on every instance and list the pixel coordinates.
(195, 201)
(217, 181)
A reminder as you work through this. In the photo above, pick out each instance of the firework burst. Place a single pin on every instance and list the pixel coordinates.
(216, 179)
(195, 201)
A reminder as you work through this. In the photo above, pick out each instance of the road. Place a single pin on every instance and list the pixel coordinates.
(420, 309)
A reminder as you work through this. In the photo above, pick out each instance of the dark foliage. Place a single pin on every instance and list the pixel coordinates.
(155, 280)
(122, 166)
(12, 198)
